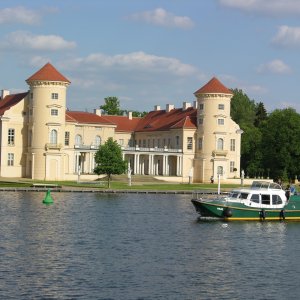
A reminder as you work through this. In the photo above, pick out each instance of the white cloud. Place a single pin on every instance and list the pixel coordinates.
(275, 66)
(287, 36)
(133, 61)
(269, 7)
(22, 40)
(18, 14)
(161, 17)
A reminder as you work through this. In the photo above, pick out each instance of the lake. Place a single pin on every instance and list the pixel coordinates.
(139, 246)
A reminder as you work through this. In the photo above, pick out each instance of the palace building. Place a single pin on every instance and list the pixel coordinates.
(41, 139)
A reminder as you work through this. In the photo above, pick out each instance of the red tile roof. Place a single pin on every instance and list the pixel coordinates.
(162, 120)
(47, 73)
(123, 122)
(212, 87)
(86, 117)
(11, 100)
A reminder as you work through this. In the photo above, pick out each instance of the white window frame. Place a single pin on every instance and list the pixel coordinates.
(54, 96)
(232, 144)
(10, 159)
(220, 144)
(221, 122)
(67, 138)
(78, 140)
(54, 112)
(11, 137)
(232, 166)
(53, 136)
(189, 143)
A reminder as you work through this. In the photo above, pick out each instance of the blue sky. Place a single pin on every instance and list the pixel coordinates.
(150, 53)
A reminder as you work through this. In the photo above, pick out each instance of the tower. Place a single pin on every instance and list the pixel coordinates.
(46, 128)
(218, 136)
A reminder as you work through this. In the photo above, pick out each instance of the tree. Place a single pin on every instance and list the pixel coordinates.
(280, 143)
(260, 114)
(242, 108)
(109, 160)
(111, 106)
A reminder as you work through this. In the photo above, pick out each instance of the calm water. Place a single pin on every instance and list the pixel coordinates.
(94, 246)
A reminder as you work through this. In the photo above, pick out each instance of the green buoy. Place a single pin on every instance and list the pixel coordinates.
(48, 198)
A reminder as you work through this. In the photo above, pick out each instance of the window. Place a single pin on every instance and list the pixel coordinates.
(265, 199)
(97, 140)
(78, 140)
(121, 142)
(11, 136)
(255, 198)
(232, 166)
(67, 138)
(232, 145)
(201, 106)
(177, 141)
(220, 121)
(54, 112)
(220, 144)
(10, 159)
(200, 121)
(54, 96)
(220, 170)
(53, 136)
(30, 138)
(221, 106)
(158, 143)
(189, 143)
(200, 143)
(276, 200)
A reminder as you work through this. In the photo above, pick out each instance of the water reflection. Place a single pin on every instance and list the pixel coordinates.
(93, 246)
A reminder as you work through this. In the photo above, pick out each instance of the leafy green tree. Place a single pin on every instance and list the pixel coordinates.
(109, 160)
(111, 106)
(280, 143)
(242, 108)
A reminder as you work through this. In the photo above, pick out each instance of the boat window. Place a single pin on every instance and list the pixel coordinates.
(265, 199)
(244, 195)
(276, 199)
(234, 195)
(255, 198)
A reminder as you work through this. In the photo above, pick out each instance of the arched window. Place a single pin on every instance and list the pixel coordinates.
(78, 140)
(220, 170)
(220, 144)
(97, 140)
(53, 136)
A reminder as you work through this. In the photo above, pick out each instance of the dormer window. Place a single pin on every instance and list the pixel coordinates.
(54, 96)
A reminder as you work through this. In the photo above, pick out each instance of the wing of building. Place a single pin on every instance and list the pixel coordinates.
(41, 139)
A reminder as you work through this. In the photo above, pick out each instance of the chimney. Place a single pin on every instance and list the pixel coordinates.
(97, 111)
(186, 105)
(156, 107)
(195, 104)
(4, 93)
(169, 107)
(130, 115)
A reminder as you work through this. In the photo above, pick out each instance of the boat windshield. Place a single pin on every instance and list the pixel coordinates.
(265, 185)
(238, 195)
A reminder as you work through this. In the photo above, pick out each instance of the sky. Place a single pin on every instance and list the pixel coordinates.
(150, 53)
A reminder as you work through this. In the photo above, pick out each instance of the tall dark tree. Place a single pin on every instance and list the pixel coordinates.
(280, 143)
(260, 114)
(111, 106)
(109, 160)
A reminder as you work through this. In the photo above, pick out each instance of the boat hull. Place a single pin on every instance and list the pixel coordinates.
(240, 212)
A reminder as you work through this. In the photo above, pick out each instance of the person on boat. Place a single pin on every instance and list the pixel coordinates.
(287, 192)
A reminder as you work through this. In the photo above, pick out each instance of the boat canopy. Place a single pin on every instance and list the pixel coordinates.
(265, 185)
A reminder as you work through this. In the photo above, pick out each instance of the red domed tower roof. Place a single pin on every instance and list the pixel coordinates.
(47, 73)
(214, 86)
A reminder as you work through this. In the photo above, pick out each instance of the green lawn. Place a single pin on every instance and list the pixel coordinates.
(120, 185)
